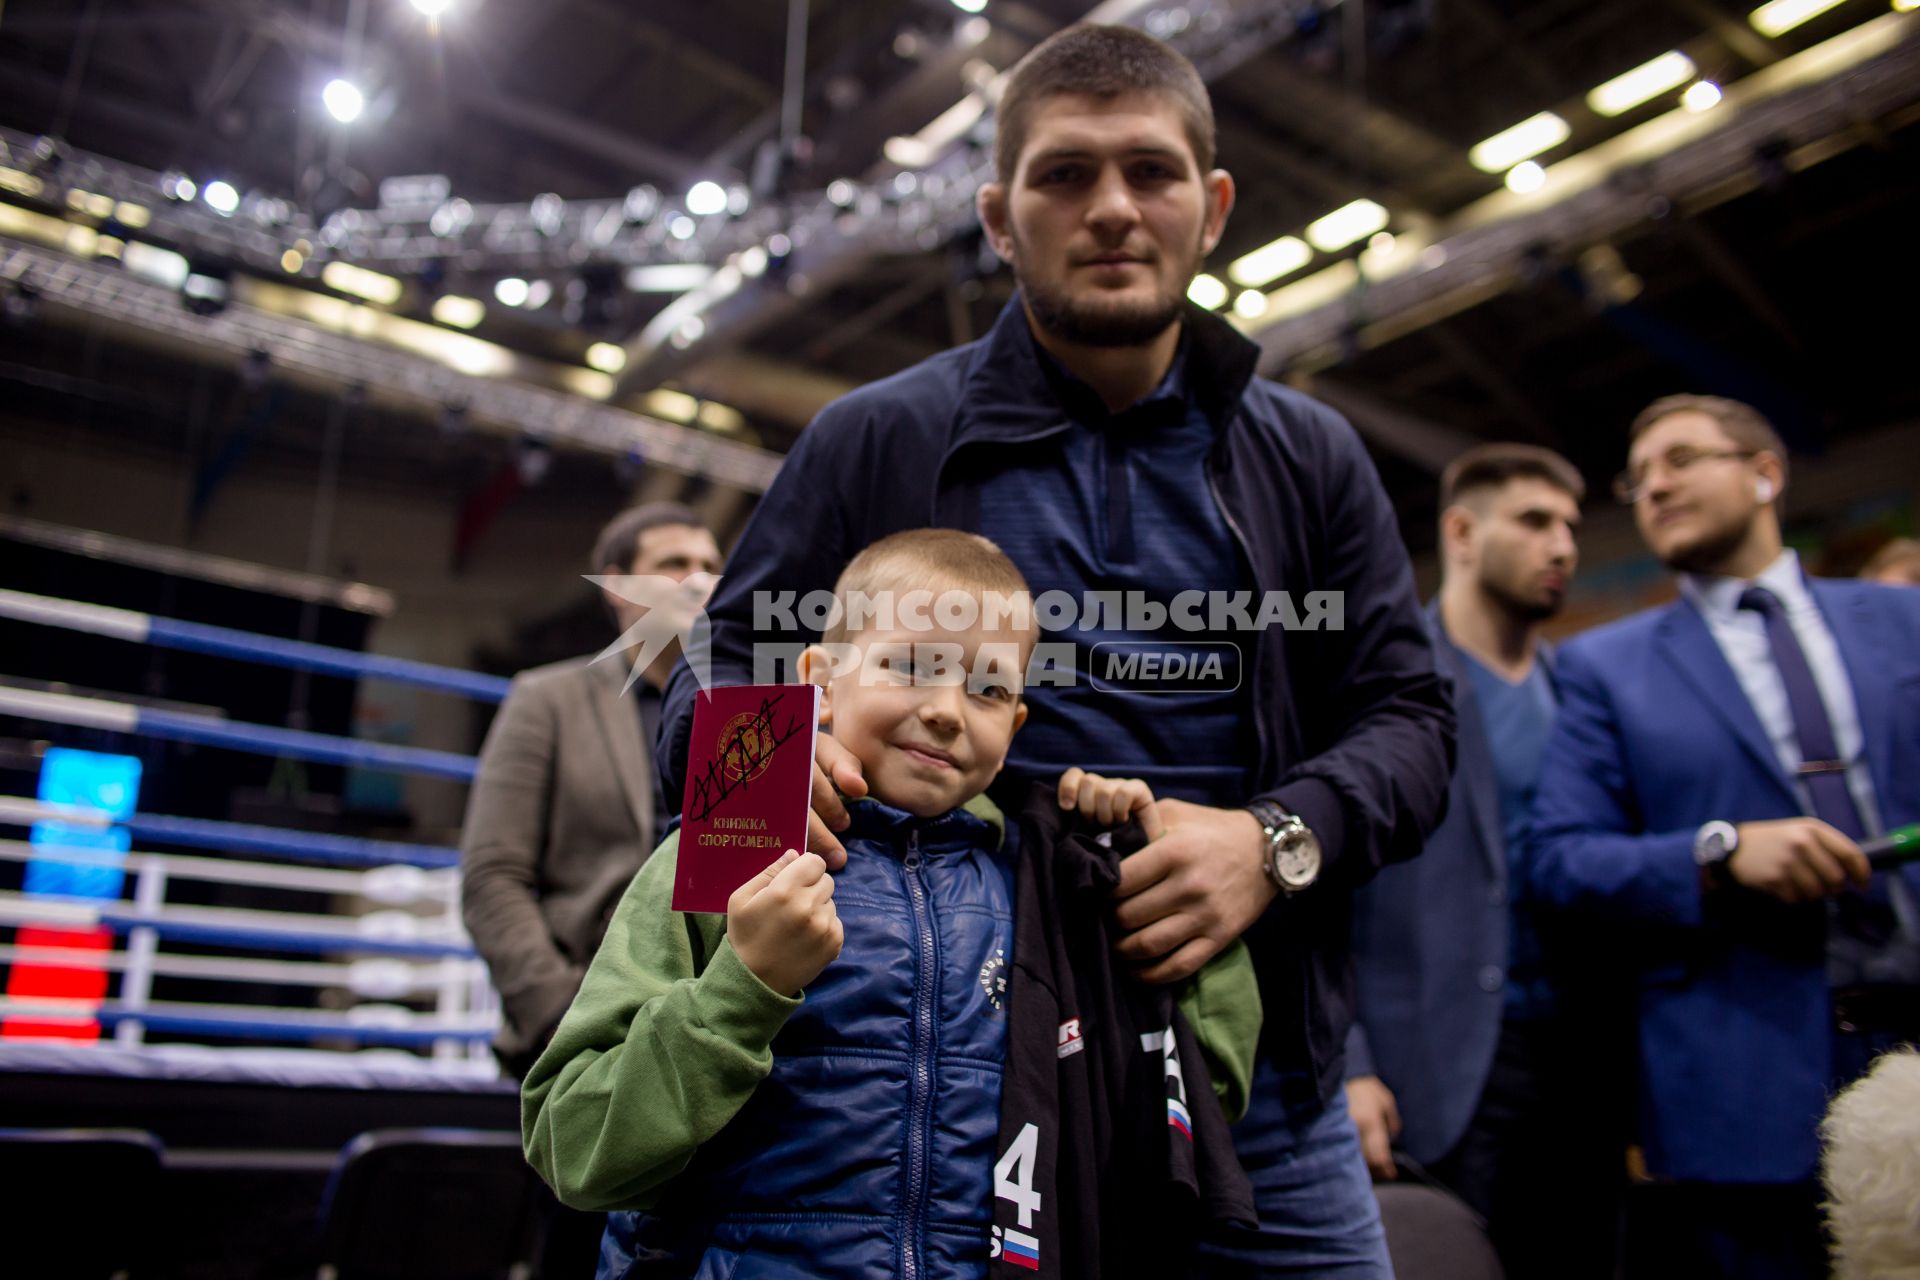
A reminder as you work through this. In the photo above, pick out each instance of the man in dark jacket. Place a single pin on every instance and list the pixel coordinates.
(1115, 443)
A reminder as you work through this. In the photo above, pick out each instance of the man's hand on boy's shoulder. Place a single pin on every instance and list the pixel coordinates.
(782, 923)
(836, 772)
(1189, 894)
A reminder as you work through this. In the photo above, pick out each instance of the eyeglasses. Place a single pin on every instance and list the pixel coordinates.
(1629, 484)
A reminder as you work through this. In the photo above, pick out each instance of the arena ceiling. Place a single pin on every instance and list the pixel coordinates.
(1767, 282)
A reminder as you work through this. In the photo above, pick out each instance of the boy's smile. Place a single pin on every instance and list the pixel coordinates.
(929, 713)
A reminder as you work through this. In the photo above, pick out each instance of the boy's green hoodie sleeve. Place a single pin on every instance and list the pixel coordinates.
(1222, 1003)
(659, 1051)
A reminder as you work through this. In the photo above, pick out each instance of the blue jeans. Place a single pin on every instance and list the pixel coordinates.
(1318, 1216)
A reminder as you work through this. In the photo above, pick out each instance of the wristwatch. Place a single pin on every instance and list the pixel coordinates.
(1713, 847)
(1292, 858)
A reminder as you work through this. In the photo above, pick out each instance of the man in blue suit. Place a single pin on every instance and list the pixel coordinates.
(1458, 1054)
(1716, 763)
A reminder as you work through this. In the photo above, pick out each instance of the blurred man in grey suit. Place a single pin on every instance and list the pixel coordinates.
(563, 811)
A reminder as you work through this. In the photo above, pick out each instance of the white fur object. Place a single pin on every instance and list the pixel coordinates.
(1871, 1168)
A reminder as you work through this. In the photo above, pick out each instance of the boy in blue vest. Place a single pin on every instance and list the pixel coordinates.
(810, 1085)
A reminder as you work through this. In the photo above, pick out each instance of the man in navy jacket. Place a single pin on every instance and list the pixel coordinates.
(1716, 763)
(1111, 438)
(1464, 1053)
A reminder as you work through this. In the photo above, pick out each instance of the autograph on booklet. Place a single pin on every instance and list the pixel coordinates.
(748, 790)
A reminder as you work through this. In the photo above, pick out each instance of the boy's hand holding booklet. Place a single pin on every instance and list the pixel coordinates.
(748, 789)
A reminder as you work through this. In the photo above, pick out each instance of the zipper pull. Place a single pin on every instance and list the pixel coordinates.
(912, 861)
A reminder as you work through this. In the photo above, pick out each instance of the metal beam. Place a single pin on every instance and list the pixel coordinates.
(1815, 100)
(410, 383)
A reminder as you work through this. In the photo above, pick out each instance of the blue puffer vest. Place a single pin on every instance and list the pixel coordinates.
(868, 1152)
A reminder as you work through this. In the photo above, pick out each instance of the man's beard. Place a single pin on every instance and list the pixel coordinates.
(1534, 609)
(1713, 549)
(1099, 323)
(1123, 325)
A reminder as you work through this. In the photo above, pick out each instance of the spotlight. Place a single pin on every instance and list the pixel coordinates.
(1701, 95)
(511, 292)
(706, 198)
(343, 100)
(432, 8)
(221, 197)
(1526, 177)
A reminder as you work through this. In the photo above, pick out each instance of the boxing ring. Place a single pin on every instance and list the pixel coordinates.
(97, 920)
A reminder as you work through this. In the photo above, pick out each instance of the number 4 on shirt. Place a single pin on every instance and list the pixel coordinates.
(1013, 1174)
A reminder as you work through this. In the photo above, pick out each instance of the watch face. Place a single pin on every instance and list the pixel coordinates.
(1297, 862)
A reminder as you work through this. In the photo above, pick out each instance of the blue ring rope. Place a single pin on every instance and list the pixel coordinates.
(313, 846)
(298, 654)
(324, 748)
(250, 1028)
(230, 935)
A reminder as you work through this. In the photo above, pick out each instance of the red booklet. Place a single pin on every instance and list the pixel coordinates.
(749, 787)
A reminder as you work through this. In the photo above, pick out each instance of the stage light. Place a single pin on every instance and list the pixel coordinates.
(607, 357)
(1522, 142)
(908, 153)
(706, 198)
(753, 262)
(511, 292)
(1250, 305)
(1270, 261)
(1704, 95)
(841, 193)
(344, 100)
(1348, 223)
(433, 8)
(1526, 177)
(1207, 291)
(361, 283)
(291, 261)
(970, 6)
(149, 262)
(681, 227)
(1647, 81)
(1781, 16)
(459, 312)
(670, 277)
(539, 294)
(221, 197)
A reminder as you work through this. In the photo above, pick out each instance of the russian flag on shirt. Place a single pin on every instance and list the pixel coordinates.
(1178, 1118)
(1021, 1249)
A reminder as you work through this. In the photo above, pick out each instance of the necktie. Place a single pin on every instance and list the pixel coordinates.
(1864, 925)
(1821, 767)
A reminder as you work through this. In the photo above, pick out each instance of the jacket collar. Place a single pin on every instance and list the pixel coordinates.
(978, 823)
(1010, 395)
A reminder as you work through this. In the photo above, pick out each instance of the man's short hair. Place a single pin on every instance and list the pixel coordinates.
(1099, 62)
(619, 542)
(1743, 423)
(1492, 466)
(935, 560)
